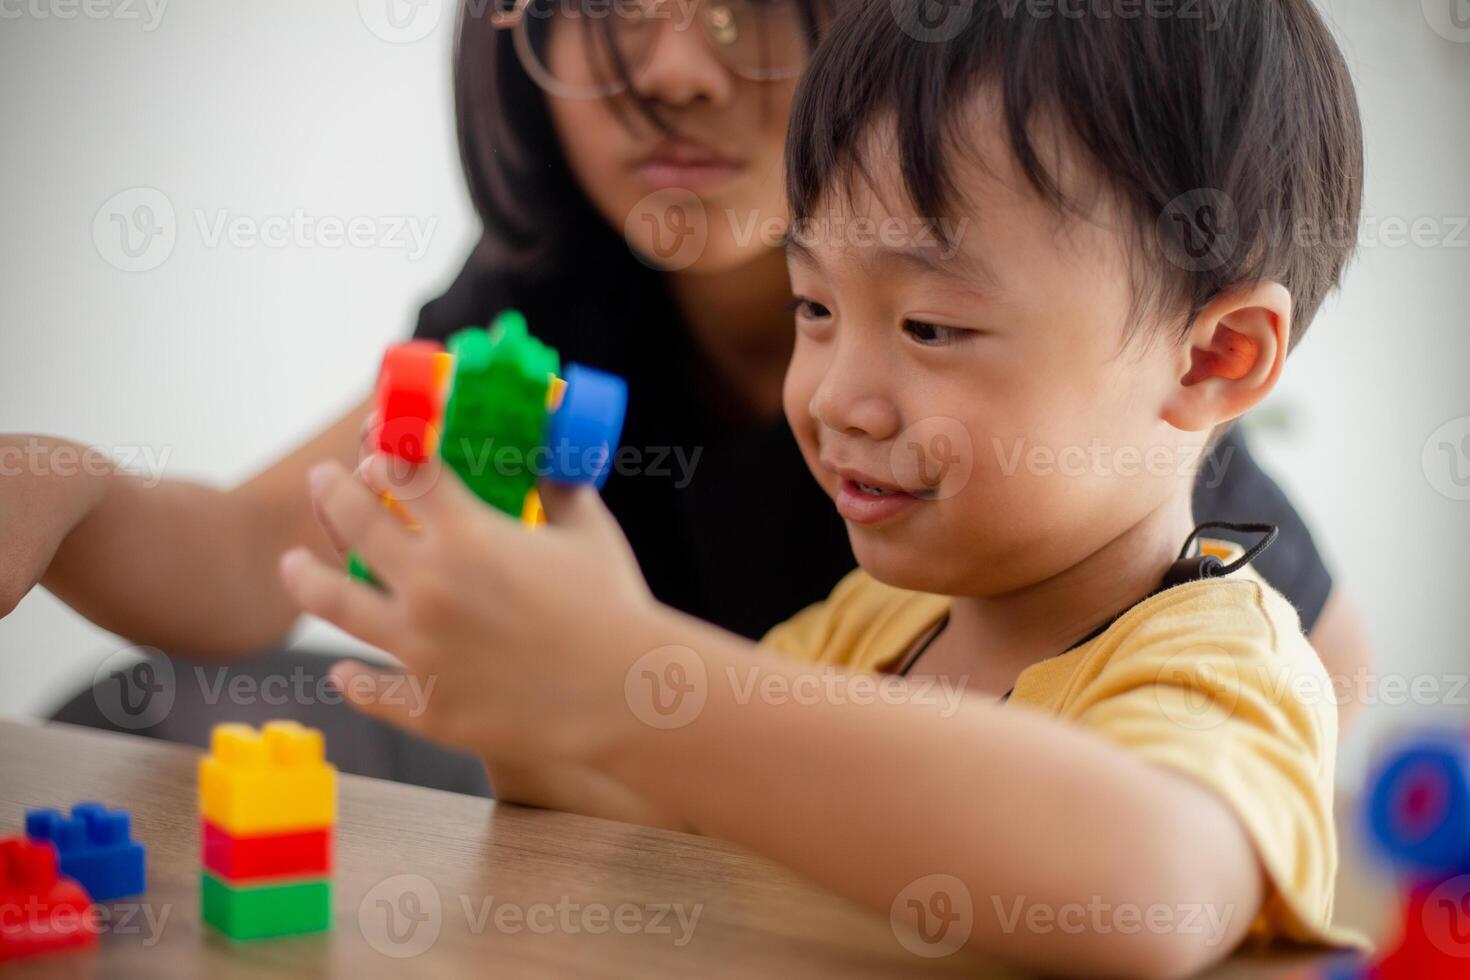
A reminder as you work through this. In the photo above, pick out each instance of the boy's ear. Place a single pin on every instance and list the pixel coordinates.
(1232, 356)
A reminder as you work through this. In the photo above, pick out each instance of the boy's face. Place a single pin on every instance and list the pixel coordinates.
(973, 410)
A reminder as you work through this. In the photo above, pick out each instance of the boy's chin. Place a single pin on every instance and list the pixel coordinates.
(904, 565)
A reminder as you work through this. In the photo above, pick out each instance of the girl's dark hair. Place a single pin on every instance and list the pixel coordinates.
(535, 214)
(1245, 107)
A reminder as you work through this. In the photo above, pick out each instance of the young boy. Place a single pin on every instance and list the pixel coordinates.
(1037, 261)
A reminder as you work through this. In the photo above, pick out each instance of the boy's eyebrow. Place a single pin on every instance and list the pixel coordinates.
(945, 260)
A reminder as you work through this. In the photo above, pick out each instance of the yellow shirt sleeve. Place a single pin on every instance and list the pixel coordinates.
(1215, 680)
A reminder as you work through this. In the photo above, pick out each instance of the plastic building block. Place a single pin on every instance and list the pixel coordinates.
(1419, 806)
(94, 847)
(410, 398)
(243, 858)
(585, 428)
(498, 415)
(40, 911)
(495, 418)
(1417, 816)
(271, 781)
(267, 802)
(267, 910)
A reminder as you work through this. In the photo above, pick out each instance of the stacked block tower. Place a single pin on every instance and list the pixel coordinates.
(494, 409)
(268, 804)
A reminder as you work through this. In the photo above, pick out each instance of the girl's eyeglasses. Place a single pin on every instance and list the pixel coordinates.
(586, 49)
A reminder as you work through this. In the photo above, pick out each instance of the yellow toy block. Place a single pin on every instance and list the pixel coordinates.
(273, 780)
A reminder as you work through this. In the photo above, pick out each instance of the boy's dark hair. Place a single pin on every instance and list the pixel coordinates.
(1245, 108)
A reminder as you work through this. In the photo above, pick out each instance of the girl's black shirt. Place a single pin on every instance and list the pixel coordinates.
(725, 519)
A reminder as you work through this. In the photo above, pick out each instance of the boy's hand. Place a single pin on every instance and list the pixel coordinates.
(507, 629)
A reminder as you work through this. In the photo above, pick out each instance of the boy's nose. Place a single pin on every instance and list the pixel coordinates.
(852, 400)
(681, 67)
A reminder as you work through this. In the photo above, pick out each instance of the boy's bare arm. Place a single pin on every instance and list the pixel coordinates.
(577, 790)
(177, 565)
(1025, 811)
(576, 666)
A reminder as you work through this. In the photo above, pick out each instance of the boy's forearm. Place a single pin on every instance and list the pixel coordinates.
(1018, 807)
(576, 790)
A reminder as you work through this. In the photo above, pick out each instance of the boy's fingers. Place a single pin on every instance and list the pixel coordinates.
(355, 517)
(380, 694)
(338, 544)
(359, 609)
(432, 492)
(578, 508)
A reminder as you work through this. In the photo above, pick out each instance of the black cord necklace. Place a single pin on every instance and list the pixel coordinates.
(1188, 568)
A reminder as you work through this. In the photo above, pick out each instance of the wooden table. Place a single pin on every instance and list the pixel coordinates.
(439, 884)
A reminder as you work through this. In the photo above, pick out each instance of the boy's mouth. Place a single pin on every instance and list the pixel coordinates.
(864, 500)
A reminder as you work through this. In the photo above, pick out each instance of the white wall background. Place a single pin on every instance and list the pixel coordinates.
(226, 354)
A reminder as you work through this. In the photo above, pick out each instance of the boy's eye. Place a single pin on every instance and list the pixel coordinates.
(931, 334)
(807, 309)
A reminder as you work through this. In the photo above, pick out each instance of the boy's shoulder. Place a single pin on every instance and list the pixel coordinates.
(1236, 635)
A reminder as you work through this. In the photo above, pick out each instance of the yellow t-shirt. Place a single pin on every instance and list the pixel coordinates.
(1212, 678)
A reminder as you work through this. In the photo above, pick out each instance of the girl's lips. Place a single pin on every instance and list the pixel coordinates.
(694, 176)
(866, 508)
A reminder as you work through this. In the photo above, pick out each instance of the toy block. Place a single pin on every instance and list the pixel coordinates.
(495, 418)
(410, 396)
(40, 911)
(274, 780)
(585, 427)
(265, 911)
(499, 416)
(243, 859)
(95, 847)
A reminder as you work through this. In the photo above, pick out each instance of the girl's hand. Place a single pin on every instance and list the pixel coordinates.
(517, 637)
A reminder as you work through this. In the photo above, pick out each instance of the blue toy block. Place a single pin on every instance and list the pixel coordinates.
(1418, 811)
(586, 426)
(95, 847)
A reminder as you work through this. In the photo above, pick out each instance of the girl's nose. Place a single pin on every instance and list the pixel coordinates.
(681, 68)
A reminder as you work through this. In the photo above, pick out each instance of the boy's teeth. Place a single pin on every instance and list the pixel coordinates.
(871, 490)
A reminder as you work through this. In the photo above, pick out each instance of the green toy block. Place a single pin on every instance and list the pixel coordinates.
(495, 419)
(358, 569)
(263, 911)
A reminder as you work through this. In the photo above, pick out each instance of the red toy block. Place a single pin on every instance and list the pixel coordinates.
(1434, 934)
(410, 395)
(237, 858)
(40, 911)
